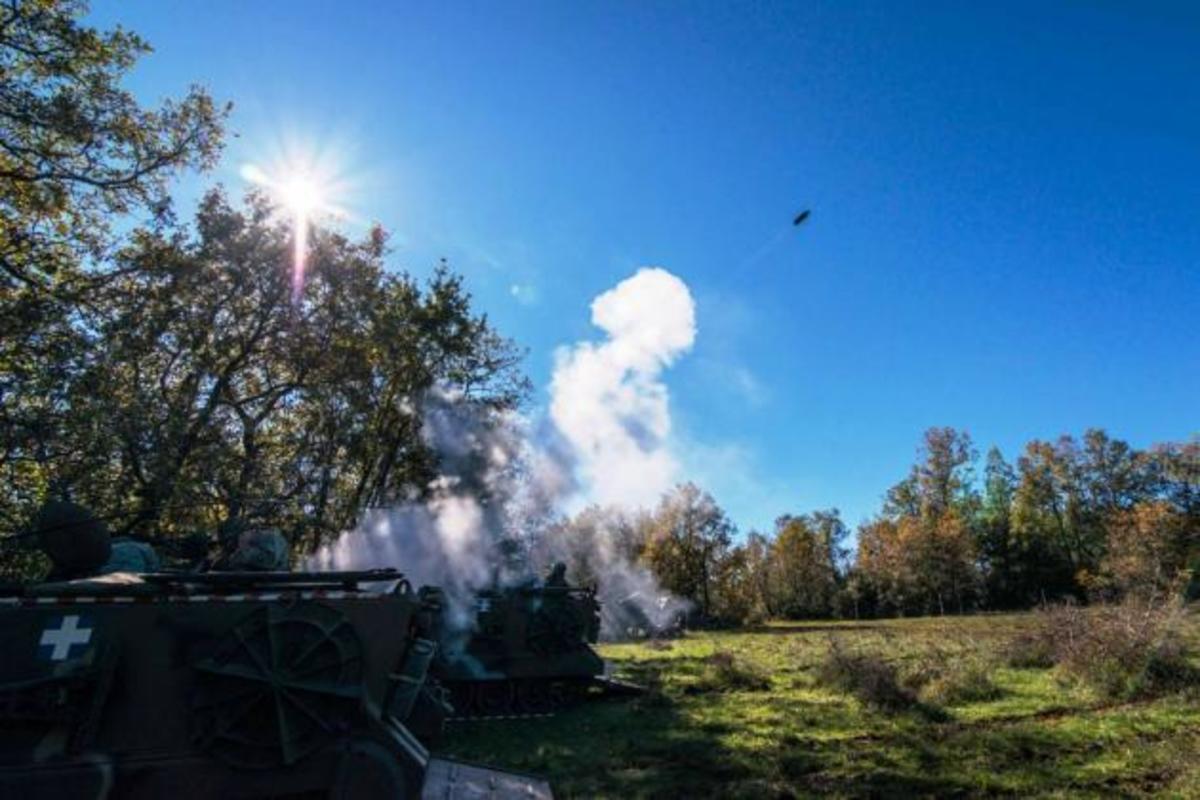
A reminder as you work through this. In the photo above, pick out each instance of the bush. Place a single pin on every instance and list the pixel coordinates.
(1119, 651)
(725, 672)
(965, 681)
(867, 676)
(953, 675)
(1032, 649)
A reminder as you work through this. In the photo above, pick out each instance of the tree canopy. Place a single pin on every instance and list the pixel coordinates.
(78, 153)
(206, 391)
(161, 373)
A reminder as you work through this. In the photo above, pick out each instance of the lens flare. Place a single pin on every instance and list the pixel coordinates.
(305, 189)
(301, 194)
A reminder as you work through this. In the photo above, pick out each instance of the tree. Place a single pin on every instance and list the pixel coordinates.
(920, 555)
(1156, 540)
(757, 549)
(735, 590)
(1076, 516)
(944, 475)
(801, 579)
(805, 563)
(946, 561)
(76, 149)
(210, 393)
(1110, 472)
(1174, 475)
(998, 558)
(688, 536)
(1057, 517)
(881, 568)
(591, 543)
(76, 153)
(1149, 548)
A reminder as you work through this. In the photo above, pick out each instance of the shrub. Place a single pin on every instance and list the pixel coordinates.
(1120, 651)
(725, 672)
(953, 675)
(968, 680)
(1032, 649)
(867, 676)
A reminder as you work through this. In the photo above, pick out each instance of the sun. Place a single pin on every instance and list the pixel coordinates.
(305, 189)
(301, 194)
(297, 188)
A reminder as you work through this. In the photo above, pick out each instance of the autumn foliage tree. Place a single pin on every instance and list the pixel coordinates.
(920, 555)
(688, 536)
(1084, 518)
(209, 391)
(1075, 518)
(804, 564)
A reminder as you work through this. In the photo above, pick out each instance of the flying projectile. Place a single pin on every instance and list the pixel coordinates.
(803, 215)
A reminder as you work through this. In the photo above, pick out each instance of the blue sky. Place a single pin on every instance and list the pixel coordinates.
(1005, 201)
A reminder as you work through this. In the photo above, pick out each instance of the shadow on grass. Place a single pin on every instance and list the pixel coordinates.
(663, 744)
(626, 748)
(668, 744)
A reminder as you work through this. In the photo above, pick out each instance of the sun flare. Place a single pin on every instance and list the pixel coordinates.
(297, 188)
(306, 189)
(301, 194)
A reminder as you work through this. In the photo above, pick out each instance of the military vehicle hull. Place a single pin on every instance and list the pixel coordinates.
(259, 686)
(529, 653)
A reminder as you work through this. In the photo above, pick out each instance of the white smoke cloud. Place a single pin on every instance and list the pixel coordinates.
(504, 480)
(453, 538)
(608, 399)
(595, 545)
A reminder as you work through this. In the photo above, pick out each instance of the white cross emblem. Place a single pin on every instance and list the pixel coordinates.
(60, 640)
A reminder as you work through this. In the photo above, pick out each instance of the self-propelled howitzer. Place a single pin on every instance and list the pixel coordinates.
(529, 652)
(220, 684)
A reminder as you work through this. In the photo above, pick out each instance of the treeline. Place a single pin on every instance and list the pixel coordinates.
(1074, 518)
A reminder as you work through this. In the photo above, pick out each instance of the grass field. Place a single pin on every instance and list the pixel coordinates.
(707, 731)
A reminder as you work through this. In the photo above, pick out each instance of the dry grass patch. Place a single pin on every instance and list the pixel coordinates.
(960, 683)
(725, 672)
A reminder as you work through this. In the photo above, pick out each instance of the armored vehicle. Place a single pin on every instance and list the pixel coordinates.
(530, 651)
(226, 685)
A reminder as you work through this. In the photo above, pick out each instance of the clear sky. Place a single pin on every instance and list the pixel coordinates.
(1005, 233)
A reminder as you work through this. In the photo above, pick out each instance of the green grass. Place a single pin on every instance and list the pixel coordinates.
(700, 735)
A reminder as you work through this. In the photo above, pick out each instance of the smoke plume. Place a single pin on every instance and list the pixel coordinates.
(597, 545)
(609, 401)
(497, 506)
(454, 539)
